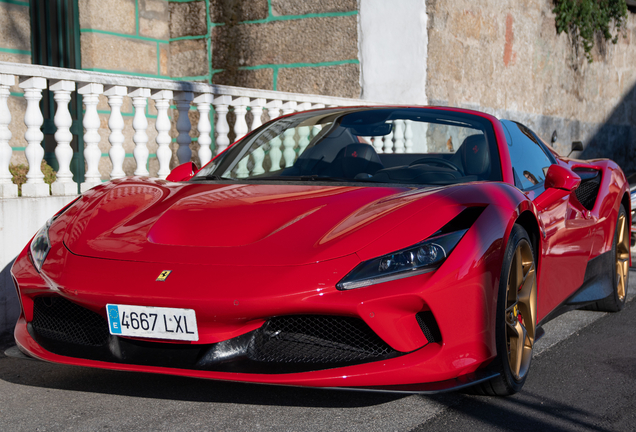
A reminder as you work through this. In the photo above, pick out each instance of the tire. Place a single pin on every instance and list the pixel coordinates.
(620, 271)
(516, 317)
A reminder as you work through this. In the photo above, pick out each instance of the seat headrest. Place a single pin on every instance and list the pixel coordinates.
(475, 155)
(361, 150)
(354, 159)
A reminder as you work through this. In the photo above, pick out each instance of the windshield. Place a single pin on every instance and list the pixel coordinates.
(374, 145)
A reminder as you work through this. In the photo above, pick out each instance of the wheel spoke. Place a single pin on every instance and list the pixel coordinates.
(518, 269)
(517, 344)
(520, 311)
(622, 256)
(511, 307)
(621, 232)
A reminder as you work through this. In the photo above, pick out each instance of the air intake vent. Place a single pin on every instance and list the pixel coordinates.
(58, 319)
(317, 339)
(429, 326)
(587, 191)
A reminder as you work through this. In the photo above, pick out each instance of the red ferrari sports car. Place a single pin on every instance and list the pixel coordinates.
(375, 248)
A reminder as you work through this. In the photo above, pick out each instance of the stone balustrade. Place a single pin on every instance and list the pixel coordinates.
(182, 95)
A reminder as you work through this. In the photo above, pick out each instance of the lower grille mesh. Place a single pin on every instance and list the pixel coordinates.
(316, 339)
(284, 344)
(58, 319)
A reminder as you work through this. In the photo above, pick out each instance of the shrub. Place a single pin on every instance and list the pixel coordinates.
(19, 173)
(585, 20)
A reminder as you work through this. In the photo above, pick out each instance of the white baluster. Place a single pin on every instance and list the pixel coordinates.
(303, 131)
(240, 129)
(204, 127)
(183, 100)
(316, 128)
(222, 128)
(275, 155)
(258, 154)
(289, 142)
(7, 188)
(34, 152)
(240, 109)
(289, 107)
(398, 128)
(116, 124)
(140, 125)
(257, 106)
(273, 108)
(92, 154)
(378, 144)
(408, 135)
(388, 143)
(304, 106)
(63, 184)
(162, 124)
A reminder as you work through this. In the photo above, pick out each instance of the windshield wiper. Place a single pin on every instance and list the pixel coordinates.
(300, 178)
(211, 177)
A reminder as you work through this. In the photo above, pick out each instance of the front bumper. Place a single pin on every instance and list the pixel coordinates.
(234, 304)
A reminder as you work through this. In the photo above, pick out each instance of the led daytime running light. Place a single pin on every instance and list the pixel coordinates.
(41, 243)
(40, 246)
(421, 258)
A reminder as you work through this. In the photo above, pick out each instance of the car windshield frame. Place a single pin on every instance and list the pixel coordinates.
(362, 123)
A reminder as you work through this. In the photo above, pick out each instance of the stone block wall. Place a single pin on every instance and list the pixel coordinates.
(125, 36)
(305, 47)
(15, 46)
(504, 57)
(130, 37)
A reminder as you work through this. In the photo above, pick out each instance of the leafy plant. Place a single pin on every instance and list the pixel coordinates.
(20, 171)
(586, 20)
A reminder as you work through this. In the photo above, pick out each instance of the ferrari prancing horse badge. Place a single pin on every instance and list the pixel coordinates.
(164, 275)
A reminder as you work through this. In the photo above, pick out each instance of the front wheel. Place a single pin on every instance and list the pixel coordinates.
(619, 273)
(516, 317)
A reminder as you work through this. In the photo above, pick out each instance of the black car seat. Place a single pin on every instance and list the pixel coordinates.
(474, 156)
(354, 159)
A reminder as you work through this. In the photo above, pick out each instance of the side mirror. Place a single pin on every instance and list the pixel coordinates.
(559, 177)
(576, 146)
(183, 172)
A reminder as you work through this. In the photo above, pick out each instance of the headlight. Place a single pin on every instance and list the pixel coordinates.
(40, 246)
(421, 258)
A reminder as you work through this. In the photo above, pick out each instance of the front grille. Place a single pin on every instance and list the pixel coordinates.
(284, 344)
(316, 339)
(588, 189)
(58, 319)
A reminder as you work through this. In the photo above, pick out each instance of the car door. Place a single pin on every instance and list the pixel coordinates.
(565, 224)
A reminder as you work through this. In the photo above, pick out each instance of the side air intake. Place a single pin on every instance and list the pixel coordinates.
(429, 326)
(587, 191)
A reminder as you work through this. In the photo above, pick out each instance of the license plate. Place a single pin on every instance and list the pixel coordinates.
(152, 322)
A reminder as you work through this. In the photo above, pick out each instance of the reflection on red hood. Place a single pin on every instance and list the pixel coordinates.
(244, 224)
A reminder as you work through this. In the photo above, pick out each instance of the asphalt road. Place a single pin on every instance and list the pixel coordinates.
(582, 378)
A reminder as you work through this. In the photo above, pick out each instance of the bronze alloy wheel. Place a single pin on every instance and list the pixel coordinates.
(622, 256)
(520, 312)
(516, 317)
(619, 274)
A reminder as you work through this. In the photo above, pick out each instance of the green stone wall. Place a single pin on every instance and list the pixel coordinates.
(306, 47)
(125, 36)
(15, 46)
(129, 37)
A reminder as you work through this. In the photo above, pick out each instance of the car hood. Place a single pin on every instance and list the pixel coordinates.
(245, 224)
